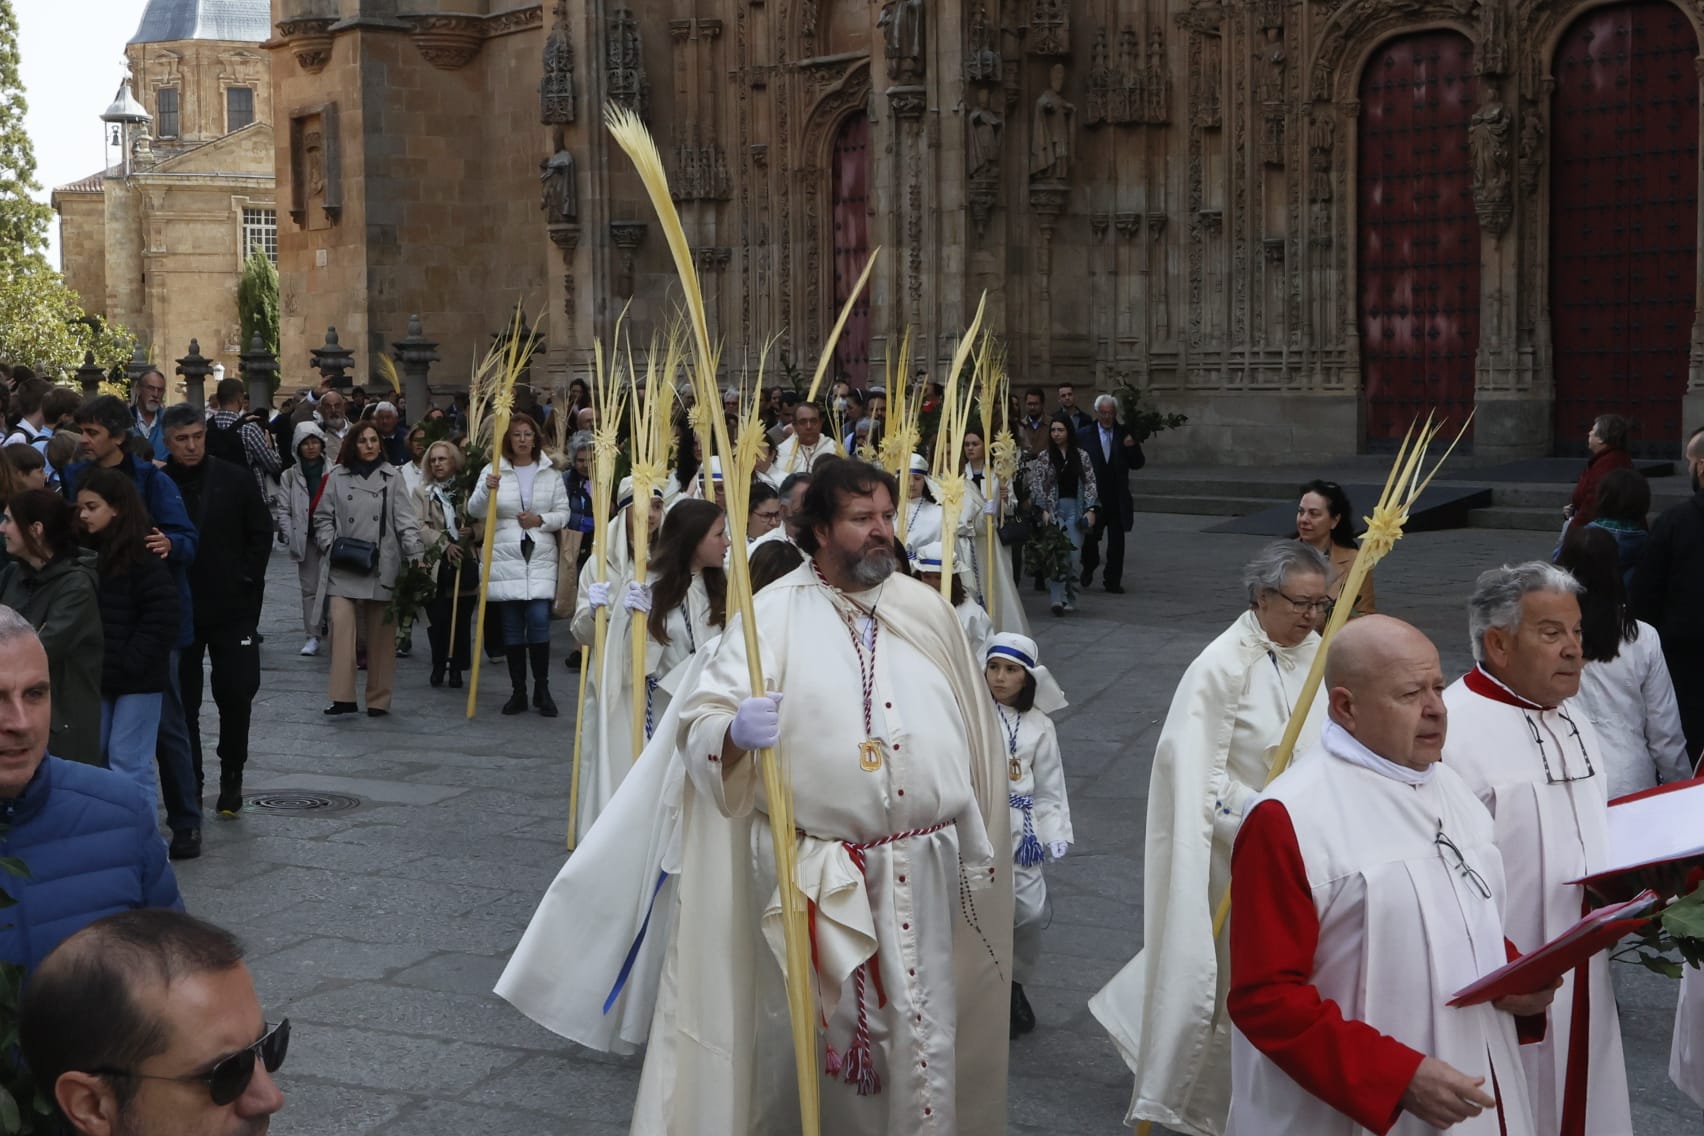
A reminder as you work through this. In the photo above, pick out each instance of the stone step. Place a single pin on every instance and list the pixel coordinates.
(1533, 519)
(1199, 504)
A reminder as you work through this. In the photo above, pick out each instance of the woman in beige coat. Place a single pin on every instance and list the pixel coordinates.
(364, 499)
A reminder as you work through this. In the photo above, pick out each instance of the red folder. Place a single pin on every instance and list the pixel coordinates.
(1656, 828)
(1540, 969)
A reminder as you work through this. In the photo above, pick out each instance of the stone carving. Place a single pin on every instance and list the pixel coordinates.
(701, 173)
(903, 29)
(1050, 27)
(1271, 94)
(1491, 53)
(310, 42)
(448, 42)
(625, 60)
(556, 87)
(1098, 104)
(982, 63)
(1322, 135)
(316, 188)
(1489, 135)
(561, 195)
(1050, 132)
(985, 128)
(628, 236)
(1206, 80)
(1532, 146)
(1157, 80)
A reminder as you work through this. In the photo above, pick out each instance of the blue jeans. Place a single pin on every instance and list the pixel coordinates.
(1067, 514)
(130, 724)
(177, 766)
(525, 622)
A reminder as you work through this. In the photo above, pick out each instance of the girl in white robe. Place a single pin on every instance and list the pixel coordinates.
(1024, 695)
(978, 628)
(922, 513)
(686, 595)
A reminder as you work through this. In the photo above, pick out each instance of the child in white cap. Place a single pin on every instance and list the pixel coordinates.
(978, 628)
(1024, 695)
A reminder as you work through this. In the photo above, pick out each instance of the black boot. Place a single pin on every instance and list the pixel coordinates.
(1023, 1018)
(539, 653)
(230, 793)
(437, 678)
(517, 703)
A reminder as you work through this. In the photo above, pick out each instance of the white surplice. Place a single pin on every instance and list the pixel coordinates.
(1541, 773)
(606, 716)
(688, 625)
(1166, 1008)
(1402, 927)
(930, 911)
(790, 457)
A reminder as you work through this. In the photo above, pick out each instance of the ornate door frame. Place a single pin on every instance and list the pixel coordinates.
(848, 95)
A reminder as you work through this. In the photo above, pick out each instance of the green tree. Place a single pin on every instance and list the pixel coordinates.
(23, 220)
(257, 300)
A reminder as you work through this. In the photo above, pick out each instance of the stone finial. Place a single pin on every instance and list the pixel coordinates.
(333, 360)
(90, 375)
(259, 368)
(195, 367)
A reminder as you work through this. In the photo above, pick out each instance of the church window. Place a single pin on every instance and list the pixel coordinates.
(260, 232)
(166, 112)
(239, 107)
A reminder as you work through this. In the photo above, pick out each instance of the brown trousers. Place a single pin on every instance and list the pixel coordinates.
(352, 619)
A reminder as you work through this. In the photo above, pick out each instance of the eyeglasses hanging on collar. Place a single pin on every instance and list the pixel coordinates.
(1550, 776)
(1453, 857)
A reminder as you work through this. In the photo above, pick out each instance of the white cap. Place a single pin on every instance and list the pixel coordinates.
(918, 465)
(1021, 649)
(715, 467)
(927, 558)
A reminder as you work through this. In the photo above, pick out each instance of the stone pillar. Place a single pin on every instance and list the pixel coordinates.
(416, 353)
(332, 361)
(138, 365)
(259, 368)
(90, 375)
(195, 368)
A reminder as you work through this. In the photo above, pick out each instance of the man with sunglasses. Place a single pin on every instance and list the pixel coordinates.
(147, 1021)
(1534, 760)
(1366, 889)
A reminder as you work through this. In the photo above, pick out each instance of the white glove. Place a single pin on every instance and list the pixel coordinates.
(757, 723)
(638, 598)
(597, 594)
(1057, 849)
(989, 508)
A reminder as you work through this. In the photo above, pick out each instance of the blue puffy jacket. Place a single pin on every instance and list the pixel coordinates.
(92, 848)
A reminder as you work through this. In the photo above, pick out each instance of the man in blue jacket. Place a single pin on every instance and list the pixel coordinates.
(105, 424)
(85, 834)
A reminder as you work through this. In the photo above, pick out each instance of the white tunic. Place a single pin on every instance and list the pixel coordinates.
(1040, 812)
(791, 457)
(922, 524)
(606, 716)
(1402, 927)
(1166, 1008)
(1550, 830)
(978, 628)
(901, 912)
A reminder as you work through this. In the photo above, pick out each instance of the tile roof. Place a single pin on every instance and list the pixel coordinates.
(164, 21)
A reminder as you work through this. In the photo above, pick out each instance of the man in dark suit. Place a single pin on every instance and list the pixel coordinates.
(1115, 454)
(1069, 408)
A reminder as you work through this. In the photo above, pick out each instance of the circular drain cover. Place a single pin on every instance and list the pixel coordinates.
(302, 801)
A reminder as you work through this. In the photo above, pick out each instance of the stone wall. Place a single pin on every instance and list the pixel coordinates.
(82, 247)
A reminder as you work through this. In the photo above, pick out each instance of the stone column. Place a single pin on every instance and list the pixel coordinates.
(195, 368)
(332, 359)
(90, 375)
(259, 368)
(416, 353)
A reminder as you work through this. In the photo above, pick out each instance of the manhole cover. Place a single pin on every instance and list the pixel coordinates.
(302, 801)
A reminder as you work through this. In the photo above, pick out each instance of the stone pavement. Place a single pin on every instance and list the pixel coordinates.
(380, 930)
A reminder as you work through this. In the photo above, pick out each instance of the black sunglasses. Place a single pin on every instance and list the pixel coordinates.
(229, 1077)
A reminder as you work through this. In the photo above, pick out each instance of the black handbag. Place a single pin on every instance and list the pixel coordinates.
(1015, 531)
(357, 556)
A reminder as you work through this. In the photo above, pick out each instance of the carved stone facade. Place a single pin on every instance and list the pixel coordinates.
(1156, 192)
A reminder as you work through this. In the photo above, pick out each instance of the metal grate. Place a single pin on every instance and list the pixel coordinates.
(300, 802)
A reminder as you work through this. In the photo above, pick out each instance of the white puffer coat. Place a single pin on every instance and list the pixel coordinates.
(513, 575)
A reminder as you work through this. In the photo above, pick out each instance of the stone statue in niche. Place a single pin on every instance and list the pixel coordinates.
(313, 151)
(1322, 135)
(982, 64)
(561, 197)
(1050, 133)
(986, 127)
(1273, 63)
(1532, 147)
(1105, 95)
(1489, 138)
(902, 23)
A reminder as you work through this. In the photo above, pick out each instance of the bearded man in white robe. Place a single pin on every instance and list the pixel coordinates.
(1534, 760)
(1366, 891)
(1166, 1008)
(899, 795)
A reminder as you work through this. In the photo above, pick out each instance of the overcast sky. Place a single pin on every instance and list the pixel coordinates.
(73, 61)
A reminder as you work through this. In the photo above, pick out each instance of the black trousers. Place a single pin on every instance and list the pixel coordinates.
(235, 679)
(1114, 533)
(438, 630)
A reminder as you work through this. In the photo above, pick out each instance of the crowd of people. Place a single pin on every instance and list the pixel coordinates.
(1426, 833)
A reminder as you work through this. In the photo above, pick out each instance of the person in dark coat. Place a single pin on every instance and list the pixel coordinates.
(1607, 442)
(86, 833)
(1115, 454)
(139, 620)
(1667, 595)
(105, 423)
(235, 533)
(50, 584)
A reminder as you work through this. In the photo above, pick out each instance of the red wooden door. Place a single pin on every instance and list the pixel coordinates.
(1624, 217)
(1419, 236)
(851, 247)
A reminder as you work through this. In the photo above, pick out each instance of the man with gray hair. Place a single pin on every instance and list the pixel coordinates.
(1534, 760)
(87, 834)
(1115, 455)
(392, 433)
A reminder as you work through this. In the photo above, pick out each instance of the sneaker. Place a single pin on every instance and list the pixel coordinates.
(311, 647)
(406, 647)
(1070, 607)
(186, 844)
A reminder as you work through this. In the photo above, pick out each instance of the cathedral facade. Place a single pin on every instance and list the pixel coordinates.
(1301, 223)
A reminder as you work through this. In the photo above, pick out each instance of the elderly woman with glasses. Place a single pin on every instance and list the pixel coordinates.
(1166, 1008)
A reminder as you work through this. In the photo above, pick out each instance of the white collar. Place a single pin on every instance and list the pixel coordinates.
(1341, 744)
